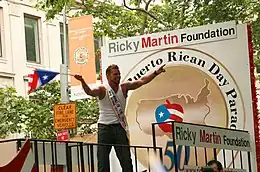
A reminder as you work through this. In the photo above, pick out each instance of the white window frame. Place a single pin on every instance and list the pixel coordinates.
(38, 42)
(7, 76)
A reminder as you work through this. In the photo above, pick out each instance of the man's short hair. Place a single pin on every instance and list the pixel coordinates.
(219, 165)
(110, 67)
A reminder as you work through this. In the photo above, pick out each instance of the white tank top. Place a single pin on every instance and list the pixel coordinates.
(106, 112)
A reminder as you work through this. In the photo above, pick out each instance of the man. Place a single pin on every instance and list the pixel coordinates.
(215, 165)
(112, 125)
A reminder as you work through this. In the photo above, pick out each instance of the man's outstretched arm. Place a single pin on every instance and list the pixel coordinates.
(95, 92)
(144, 80)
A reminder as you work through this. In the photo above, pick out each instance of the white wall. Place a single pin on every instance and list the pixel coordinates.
(13, 63)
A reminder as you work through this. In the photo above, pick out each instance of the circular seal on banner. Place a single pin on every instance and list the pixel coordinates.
(81, 55)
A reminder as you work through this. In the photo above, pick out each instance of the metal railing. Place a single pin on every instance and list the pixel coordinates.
(50, 155)
(86, 160)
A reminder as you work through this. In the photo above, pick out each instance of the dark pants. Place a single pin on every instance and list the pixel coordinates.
(113, 134)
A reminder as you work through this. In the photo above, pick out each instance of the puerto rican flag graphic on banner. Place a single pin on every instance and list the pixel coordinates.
(39, 78)
(168, 112)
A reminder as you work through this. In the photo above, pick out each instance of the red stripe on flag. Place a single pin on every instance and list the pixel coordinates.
(30, 75)
(175, 107)
(31, 79)
(34, 82)
(176, 118)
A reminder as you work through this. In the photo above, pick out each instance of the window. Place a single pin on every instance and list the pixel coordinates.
(62, 42)
(32, 39)
(1, 32)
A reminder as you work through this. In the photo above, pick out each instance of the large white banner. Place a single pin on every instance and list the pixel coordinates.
(207, 82)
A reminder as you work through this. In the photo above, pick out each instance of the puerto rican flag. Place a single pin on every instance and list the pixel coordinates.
(168, 112)
(39, 78)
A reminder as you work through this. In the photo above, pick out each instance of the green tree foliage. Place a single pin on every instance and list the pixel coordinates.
(10, 115)
(34, 116)
(148, 16)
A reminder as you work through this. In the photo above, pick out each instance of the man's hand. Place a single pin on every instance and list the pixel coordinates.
(99, 91)
(144, 80)
(78, 77)
(160, 70)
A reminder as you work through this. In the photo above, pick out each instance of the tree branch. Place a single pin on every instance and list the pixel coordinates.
(145, 17)
(146, 12)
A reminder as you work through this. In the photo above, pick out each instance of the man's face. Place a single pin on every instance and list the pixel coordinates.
(215, 167)
(114, 76)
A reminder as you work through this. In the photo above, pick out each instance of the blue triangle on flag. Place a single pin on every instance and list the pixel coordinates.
(46, 76)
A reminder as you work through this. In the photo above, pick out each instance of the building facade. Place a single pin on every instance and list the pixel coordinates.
(28, 41)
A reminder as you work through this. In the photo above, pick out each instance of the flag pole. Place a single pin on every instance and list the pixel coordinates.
(68, 74)
(64, 67)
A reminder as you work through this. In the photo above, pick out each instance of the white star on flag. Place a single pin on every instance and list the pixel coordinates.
(161, 114)
(45, 77)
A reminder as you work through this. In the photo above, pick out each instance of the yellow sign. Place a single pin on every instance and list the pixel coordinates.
(65, 116)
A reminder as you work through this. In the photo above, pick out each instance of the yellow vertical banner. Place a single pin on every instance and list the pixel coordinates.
(81, 49)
